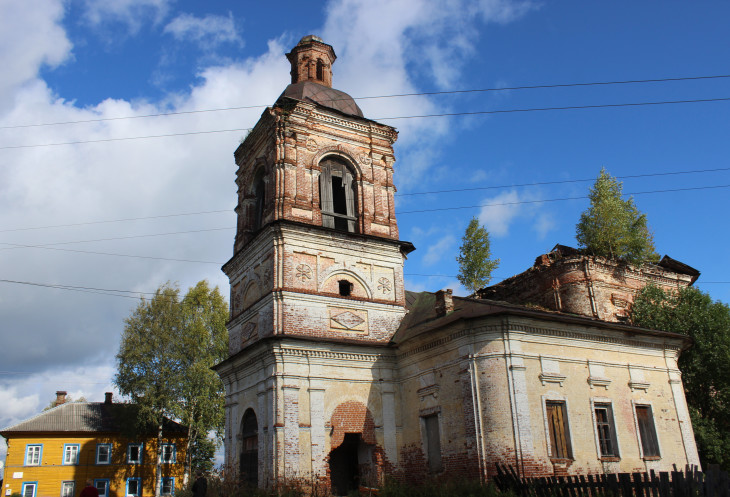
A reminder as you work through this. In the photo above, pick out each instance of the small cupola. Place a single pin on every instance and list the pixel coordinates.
(311, 60)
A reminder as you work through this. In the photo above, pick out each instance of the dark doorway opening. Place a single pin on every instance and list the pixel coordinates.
(347, 463)
(249, 470)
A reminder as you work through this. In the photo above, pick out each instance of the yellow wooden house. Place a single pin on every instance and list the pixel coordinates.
(56, 452)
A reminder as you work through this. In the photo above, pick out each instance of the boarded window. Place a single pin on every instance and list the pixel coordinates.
(337, 196)
(606, 430)
(433, 442)
(559, 433)
(647, 432)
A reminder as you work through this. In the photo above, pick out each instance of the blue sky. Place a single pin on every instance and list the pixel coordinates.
(86, 60)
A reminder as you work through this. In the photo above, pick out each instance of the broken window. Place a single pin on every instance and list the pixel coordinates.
(337, 196)
(606, 430)
(345, 288)
(558, 428)
(647, 431)
(433, 442)
(260, 196)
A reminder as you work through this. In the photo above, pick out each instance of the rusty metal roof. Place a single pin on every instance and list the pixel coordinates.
(309, 91)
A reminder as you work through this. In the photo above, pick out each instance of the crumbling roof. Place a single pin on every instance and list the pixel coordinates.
(85, 417)
(422, 317)
(309, 91)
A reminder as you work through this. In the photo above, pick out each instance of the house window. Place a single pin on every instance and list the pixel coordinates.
(606, 430)
(168, 486)
(433, 442)
(33, 455)
(29, 489)
(70, 453)
(134, 487)
(647, 431)
(67, 489)
(134, 454)
(320, 70)
(102, 486)
(103, 453)
(168, 453)
(337, 196)
(558, 429)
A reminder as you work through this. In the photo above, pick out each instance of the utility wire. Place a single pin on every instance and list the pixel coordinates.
(395, 95)
(448, 114)
(45, 247)
(495, 187)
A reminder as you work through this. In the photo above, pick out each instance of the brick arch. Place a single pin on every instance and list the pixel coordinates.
(351, 417)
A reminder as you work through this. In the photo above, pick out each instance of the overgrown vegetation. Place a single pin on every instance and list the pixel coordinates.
(475, 263)
(612, 227)
(705, 366)
(163, 365)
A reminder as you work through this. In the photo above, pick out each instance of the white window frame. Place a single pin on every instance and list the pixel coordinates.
(33, 450)
(29, 484)
(603, 401)
(105, 493)
(75, 460)
(139, 487)
(66, 485)
(140, 446)
(109, 454)
(645, 403)
(173, 452)
(556, 397)
(171, 479)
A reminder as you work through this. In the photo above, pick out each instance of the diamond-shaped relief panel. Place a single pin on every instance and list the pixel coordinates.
(348, 320)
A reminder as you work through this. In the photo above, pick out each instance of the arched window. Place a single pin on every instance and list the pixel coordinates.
(249, 471)
(320, 70)
(259, 191)
(337, 195)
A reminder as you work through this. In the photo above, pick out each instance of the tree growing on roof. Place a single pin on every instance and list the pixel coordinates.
(612, 227)
(705, 366)
(163, 365)
(475, 263)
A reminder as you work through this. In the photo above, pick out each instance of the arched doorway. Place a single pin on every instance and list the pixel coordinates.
(249, 470)
(350, 464)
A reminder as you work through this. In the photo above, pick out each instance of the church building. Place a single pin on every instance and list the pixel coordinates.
(339, 376)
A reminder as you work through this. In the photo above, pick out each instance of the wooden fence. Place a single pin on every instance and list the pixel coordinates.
(688, 483)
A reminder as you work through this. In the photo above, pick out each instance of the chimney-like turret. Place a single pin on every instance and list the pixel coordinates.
(311, 60)
(444, 302)
(108, 398)
(60, 397)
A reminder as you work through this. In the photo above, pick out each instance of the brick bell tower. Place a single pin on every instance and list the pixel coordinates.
(316, 251)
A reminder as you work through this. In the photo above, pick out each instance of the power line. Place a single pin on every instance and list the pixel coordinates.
(494, 187)
(448, 114)
(559, 199)
(44, 247)
(395, 95)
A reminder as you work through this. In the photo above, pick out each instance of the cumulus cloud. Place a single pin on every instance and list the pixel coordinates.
(208, 31)
(437, 251)
(131, 13)
(30, 38)
(501, 211)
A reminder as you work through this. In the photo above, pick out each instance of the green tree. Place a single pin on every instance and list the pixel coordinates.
(164, 359)
(204, 341)
(475, 265)
(613, 227)
(705, 366)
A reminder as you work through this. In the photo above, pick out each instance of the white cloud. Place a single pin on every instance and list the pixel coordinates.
(437, 251)
(30, 38)
(501, 211)
(208, 31)
(132, 13)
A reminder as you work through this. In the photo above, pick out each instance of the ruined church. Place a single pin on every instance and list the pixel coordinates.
(338, 375)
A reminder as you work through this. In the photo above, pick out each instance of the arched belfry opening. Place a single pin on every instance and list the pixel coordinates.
(259, 191)
(248, 471)
(338, 195)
